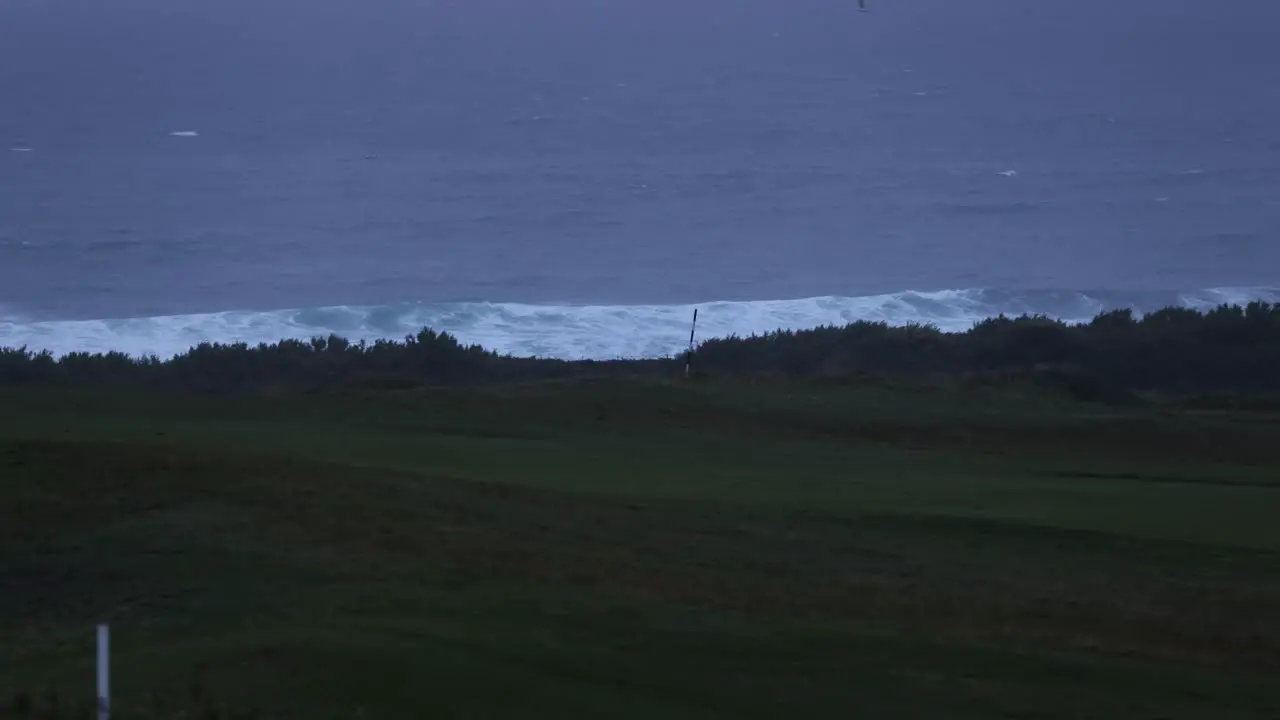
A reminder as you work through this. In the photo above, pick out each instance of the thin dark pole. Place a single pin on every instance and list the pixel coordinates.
(688, 358)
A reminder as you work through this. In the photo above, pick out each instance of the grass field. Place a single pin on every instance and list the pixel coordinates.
(642, 549)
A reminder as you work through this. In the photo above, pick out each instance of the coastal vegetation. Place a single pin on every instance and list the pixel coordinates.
(1231, 349)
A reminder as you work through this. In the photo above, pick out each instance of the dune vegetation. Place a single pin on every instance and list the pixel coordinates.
(1231, 349)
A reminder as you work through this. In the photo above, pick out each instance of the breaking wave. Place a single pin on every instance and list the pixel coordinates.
(588, 331)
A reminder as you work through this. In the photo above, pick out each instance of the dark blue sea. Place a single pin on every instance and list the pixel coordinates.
(571, 177)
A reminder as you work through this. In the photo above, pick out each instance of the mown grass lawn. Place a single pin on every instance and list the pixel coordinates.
(641, 549)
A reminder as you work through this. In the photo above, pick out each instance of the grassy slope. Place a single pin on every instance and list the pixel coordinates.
(639, 549)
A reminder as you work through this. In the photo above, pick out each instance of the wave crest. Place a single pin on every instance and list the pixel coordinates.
(598, 332)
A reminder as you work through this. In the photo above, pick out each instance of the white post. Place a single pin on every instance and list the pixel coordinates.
(104, 672)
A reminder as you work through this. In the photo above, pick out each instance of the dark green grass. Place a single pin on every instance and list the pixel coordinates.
(642, 549)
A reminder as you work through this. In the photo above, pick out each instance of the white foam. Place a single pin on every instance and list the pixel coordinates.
(184, 133)
(590, 331)
(1210, 298)
(1009, 173)
(20, 149)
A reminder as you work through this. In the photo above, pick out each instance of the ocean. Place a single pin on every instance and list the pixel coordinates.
(570, 178)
